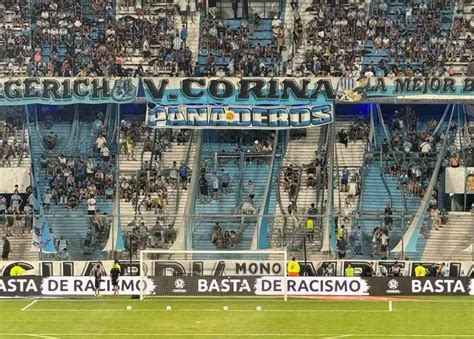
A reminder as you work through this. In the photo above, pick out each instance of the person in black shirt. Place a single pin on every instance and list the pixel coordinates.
(6, 248)
(368, 271)
(114, 274)
(97, 272)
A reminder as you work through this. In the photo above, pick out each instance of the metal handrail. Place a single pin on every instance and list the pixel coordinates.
(191, 200)
(238, 196)
(392, 151)
(327, 235)
(268, 185)
(319, 170)
(278, 188)
(411, 234)
(37, 129)
(441, 121)
(384, 180)
(23, 137)
(74, 128)
(186, 163)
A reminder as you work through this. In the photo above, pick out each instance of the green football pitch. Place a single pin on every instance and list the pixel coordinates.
(108, 317)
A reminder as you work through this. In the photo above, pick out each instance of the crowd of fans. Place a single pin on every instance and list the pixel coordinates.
(334, 37)
(414, 39)
(82, 179)
(149, 191)
(15, 34)
(16, 212)
(156, 41)
(245, 55)
(408, 41)
(68, 39)
(12, 145)
(223, 239)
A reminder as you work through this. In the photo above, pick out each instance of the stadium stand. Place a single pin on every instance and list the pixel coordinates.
(154, 205)
(241, 156)
(68, 182)
(298, 188)
(386, 158)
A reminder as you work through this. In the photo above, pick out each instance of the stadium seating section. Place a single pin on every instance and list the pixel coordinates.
(212, 189)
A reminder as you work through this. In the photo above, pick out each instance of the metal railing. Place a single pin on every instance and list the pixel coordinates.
(410, 237)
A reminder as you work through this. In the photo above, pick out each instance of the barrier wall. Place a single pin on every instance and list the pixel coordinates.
(237, 286)
(220, 268)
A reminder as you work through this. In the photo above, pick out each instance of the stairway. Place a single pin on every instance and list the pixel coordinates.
(174, 212)
(194, 29)
(70, 224)
(20, 247)
(230, 203)
(299, 152)
(373, 200)
(449, 242)
(351, 157)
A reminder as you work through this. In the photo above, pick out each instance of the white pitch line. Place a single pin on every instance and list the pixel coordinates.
(41, 336)
(312, 335)
(29, 305)
(199, 310)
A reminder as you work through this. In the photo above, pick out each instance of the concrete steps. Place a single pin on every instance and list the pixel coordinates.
(72, 225)
(449, 242)
(174, 211)
(299, 152)
(20, 247)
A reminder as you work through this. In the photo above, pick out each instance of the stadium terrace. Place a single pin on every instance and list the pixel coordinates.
(184, 168)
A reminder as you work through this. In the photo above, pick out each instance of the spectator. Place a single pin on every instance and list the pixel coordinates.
(358, 237)
(203, 189)
(248, 207)
(6, 250)
(225, 181)
(215, 186)
(62, 245)
(183, 175)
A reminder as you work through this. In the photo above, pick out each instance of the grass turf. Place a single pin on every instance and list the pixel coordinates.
(427, 317)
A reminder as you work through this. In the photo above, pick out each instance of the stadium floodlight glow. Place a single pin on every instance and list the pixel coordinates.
(186, 273)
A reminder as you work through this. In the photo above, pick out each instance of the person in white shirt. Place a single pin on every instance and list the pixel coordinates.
(444, 271)
(425, 147)
(105, 152)
(100, 142)
(91, 205)
(47, 199)
(3, 205)
(215, 186)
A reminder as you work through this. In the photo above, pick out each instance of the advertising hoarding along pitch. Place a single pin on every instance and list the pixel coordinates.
(238, 286)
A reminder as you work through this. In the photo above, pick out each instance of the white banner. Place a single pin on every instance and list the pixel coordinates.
(312, 286)
(459, 179)
(14, 176)
(85, 286)
(237, 117)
